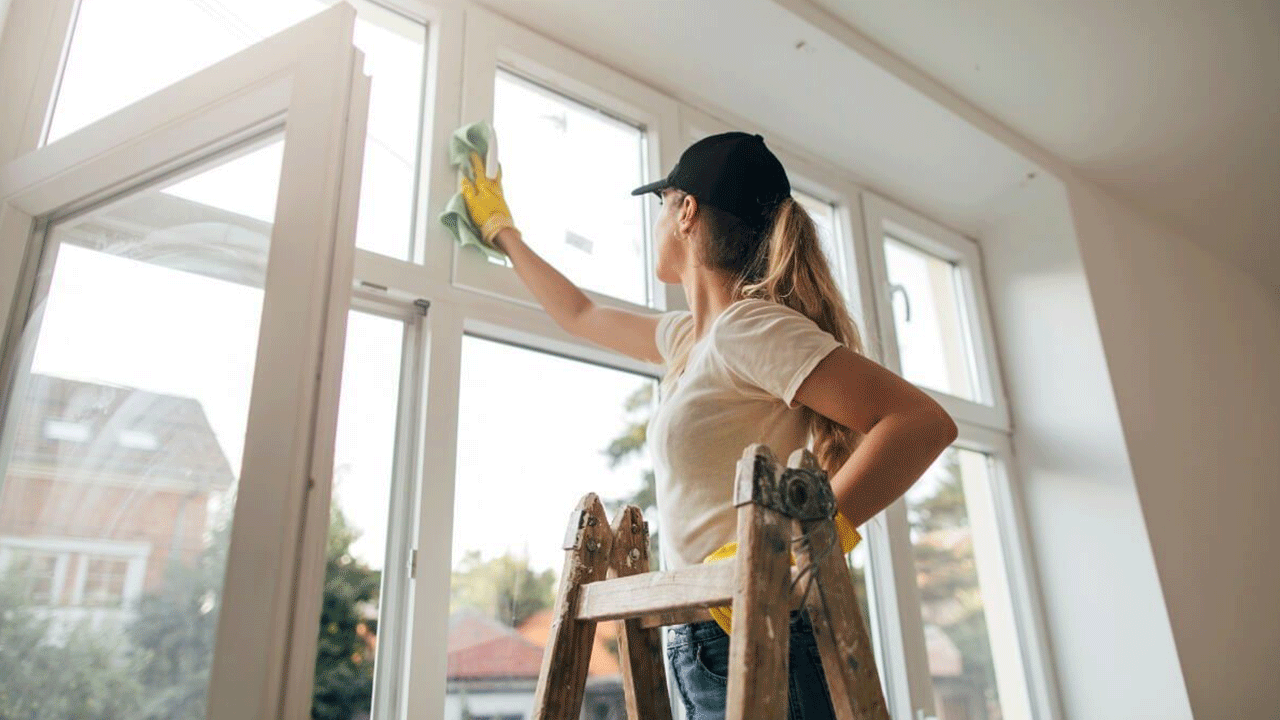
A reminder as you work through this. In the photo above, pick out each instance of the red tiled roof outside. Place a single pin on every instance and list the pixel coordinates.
(470, 627)
(603, 661)
(504, 657)
(481, 647)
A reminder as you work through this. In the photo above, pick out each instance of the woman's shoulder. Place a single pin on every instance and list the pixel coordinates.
(675, 327)
(751, 310)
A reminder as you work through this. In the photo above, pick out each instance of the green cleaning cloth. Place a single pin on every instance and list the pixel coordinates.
(478, 137)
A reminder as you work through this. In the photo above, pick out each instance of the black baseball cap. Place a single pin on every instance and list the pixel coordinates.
(733, 171)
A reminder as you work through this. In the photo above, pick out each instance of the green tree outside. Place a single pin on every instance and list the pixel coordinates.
(504, 588)
(947, 575)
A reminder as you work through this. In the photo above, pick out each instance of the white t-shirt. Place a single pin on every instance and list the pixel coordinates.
(737, 388)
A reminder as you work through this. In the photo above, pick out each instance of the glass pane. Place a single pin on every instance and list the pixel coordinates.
(972, 648)
(512, 506)
(928, 314)
(363, 460)
(824, 218)
(112, 63)
(123, 445)
(568, 171)
(857, 560)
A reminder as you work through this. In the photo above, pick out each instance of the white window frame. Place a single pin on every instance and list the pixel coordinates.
(464, 45)
(492, 41)
(1017, 587)
(398, 568)
(304, 84)
(881, 217)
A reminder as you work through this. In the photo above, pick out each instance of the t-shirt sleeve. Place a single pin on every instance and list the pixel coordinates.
(771, 346)
(672, 327)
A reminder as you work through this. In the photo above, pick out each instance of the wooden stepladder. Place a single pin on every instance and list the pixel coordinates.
(606, 577)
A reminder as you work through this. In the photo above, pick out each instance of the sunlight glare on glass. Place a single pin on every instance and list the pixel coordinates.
(567, 173)
(932, 345)
(112, 62)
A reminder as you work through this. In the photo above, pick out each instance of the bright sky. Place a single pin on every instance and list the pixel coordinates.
(532, 427)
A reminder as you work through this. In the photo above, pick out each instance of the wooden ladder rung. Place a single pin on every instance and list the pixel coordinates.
(664, 592)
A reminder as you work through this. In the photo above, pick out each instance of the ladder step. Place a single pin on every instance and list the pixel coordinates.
(663, 593)
(678, 617)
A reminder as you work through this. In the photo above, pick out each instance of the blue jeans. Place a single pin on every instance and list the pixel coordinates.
(699, 656)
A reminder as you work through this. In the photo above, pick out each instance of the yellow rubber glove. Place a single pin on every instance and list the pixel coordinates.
(485, 203)
(849, 538)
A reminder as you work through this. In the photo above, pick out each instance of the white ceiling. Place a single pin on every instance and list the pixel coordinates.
(739, 58)
(1172, 105)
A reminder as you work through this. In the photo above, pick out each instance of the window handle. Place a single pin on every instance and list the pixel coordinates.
(894, 289)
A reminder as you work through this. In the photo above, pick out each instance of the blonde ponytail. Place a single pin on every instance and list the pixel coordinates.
(791, 269)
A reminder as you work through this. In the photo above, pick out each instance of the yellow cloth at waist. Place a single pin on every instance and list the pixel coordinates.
(723, 616)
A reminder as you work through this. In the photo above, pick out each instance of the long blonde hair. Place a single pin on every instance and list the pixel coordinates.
(783, 264)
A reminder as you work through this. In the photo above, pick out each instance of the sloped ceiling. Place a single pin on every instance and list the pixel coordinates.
(1173, 106)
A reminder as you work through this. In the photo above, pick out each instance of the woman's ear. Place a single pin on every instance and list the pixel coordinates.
(688, 212)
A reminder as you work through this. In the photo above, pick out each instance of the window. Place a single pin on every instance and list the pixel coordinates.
(35, 575)
(150, 322)
(553, 144)
(360, 510)
(973, 652)
(932, 312)
(111, 63)
(192, 300)
(928, 317)
(575, 137)
(568, 170)
(104, 581)
(149, 307)
(564, 428)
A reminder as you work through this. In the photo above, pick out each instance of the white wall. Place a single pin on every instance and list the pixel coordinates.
(1142, 378)
(1193, 346)
(1105, 615)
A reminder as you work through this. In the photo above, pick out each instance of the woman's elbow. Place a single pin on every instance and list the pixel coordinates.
(942, 427)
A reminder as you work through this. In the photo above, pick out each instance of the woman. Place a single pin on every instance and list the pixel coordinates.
(766, 354)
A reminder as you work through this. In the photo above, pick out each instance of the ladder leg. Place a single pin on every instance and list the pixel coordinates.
(644, 678)
(563, 677)
(848, 660)
(758, 645)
